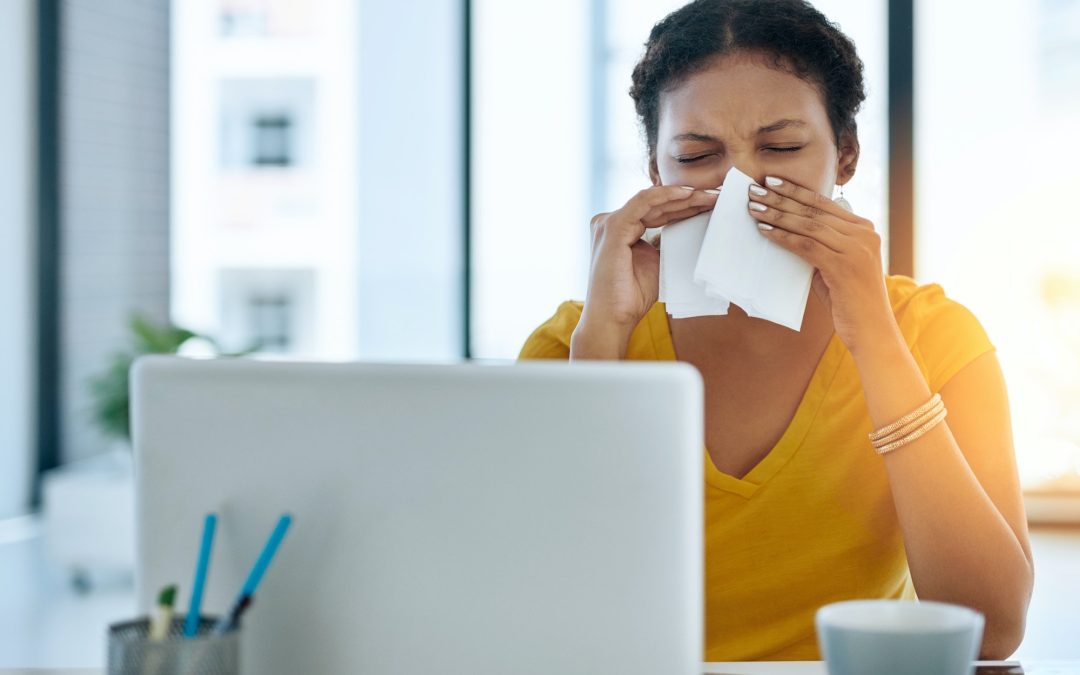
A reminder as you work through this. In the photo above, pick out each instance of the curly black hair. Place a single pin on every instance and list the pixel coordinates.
(795, 36)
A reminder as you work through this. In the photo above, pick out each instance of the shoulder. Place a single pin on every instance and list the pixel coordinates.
(943, 334)
(551, 339)
(925, 310)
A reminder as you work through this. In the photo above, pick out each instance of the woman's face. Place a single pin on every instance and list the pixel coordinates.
(740, 112)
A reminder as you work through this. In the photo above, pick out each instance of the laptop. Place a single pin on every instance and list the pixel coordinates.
(468, 519)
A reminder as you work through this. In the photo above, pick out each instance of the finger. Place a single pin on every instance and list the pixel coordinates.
(811, 250)
(774, 200)
(676, 216)
(812, 198)
(663, 214)
(641, 203)
(812, 228)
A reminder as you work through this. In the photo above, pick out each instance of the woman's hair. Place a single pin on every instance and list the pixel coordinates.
(793, 35)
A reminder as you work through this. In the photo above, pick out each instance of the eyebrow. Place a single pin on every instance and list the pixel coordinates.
(693, 136)
(781, 124)
(769, 128)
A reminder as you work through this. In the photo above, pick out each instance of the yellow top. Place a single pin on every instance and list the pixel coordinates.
(814, 521)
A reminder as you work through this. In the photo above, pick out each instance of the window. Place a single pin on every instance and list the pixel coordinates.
(532, 153)
(270, 322)
(265, 154)
(996, 149)
(268, 310)
(555, 128)
(266, 18)
(272, 140)
(323, 136)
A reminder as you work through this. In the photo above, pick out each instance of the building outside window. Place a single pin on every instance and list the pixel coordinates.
(265, 156)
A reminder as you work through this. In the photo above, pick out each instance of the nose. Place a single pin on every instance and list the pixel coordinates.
(746, 164)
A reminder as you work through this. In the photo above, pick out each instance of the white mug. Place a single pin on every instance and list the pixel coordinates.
(899, 637)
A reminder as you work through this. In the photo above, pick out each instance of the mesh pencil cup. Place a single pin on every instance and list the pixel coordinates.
(131, 652)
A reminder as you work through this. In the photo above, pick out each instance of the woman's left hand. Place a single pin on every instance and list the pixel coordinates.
(844, 249)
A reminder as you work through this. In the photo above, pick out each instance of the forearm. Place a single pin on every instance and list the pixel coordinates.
(959, 547)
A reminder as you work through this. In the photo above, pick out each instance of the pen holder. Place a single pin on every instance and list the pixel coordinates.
(131, 652)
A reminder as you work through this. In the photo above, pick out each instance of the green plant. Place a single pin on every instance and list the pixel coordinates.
(110, 389)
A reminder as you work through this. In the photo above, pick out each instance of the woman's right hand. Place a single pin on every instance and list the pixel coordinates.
(624, 273)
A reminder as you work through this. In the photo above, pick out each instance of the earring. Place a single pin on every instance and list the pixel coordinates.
(841, 202)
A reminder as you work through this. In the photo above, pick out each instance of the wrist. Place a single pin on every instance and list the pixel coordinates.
(884, 342)
(598, 343)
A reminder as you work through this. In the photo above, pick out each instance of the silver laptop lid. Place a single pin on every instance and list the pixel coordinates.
(467, 520)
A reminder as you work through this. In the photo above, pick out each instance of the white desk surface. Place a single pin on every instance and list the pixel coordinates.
(818, 667)
(767, 668)
(743, 668)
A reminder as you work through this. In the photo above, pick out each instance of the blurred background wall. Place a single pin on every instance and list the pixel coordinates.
(113, 199)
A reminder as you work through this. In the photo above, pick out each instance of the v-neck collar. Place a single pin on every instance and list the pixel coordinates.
(797, 429)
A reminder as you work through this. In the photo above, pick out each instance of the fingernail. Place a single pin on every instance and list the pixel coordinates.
(687, 187)
(712, 191)
(755, 206)
(764, 226)
(758, 190)
(773, 181)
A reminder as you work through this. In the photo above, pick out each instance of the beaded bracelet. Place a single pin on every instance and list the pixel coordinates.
(913, 435)
(909, 427)
(913, 415)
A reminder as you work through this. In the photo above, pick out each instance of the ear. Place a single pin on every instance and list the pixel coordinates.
(654, 172)
(847, 157)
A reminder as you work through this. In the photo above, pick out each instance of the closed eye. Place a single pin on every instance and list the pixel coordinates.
(690, 160)
(792, 149)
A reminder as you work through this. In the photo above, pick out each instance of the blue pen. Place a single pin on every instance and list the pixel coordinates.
(191, 624)
(229, 621)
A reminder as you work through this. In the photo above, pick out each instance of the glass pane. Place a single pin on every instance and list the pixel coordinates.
(625, 166)
(557, 127)
(265, 218)
(996, 149)
(531, 166)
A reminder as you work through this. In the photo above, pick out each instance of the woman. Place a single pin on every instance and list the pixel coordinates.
(800, 510)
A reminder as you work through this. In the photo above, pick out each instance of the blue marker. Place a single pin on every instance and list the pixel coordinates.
(191, 624)
(229, 621)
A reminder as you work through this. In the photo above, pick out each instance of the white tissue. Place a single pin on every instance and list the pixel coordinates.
(679, 248)
(704, 266)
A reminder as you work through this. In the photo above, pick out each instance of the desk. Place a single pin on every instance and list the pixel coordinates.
(51, 671)
(818, 668)
(755, 668)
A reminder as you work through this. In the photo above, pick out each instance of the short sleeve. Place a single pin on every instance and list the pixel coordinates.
(551, 340)
(944, 335)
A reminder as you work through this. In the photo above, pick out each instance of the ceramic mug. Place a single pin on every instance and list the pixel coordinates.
(899, 637)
